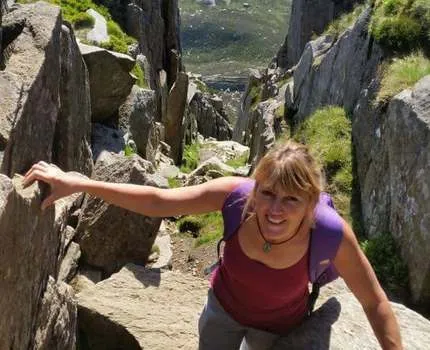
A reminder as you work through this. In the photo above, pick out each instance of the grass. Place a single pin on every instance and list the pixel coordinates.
(138, 72)
(402, 26)
(238, 161)
(74, 11)
(256, 94)
(339, 25)
(401, 74)
(190, 158)
(206, 228)
(328, 134)
(229, 34)
(384, 257)
(173, 182)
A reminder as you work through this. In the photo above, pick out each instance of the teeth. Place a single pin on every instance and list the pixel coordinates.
(273, 221)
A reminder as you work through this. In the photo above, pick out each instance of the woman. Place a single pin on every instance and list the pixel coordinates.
(267, 256)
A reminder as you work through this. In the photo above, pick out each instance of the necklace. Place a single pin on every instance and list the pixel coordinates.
(267, 246)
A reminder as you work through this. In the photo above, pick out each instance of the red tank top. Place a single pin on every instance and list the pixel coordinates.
(258, 296)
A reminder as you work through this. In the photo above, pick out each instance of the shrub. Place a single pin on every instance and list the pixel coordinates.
(390, 269)
(339, 25)
(83, 20)
(190, 158)
(402, 74)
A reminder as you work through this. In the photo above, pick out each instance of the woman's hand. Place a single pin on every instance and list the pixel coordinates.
(61, 183)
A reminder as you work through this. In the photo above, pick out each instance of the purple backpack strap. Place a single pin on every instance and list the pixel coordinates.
(233, 207)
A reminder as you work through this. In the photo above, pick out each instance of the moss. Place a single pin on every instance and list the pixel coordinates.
(238, 161)
(402, 74)
(280, 111)
(138, 72)
(190, 158)
(383, 255)
(339, 25)
(402, 25)
(327, 132)
(173, 182)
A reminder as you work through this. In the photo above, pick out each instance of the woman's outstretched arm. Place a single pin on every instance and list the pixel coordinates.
(358, 274)
(147, 200)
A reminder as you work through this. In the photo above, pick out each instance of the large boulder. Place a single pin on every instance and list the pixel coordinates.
(30, 85)
(73, 130)
(110, 315)
(309, 17)
(335, 72)
(209, 116)
(393, 160)
(110, 236)
(45, 316)
(137, 117)
(110, 80)
(106, 140)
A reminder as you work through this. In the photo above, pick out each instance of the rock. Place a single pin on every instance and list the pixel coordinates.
(309, 17)
(110, 313)
(392, 150)
(110, 236)
(110, 80)
(30, 85)
(163, 244)
(69, 265)
(223, 150)
(57, 319)
(340, 320)
(29, 255)
(204, 172)
(334, 73)
(98, 34)
(106, 140)
(71, 149)
(137, 116)
(174, 115)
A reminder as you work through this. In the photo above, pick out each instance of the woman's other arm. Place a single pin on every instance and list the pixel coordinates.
(147, 200)
(358, 274)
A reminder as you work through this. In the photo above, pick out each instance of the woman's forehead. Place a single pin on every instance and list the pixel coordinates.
(280, 189)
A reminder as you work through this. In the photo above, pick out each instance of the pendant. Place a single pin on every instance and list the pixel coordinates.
(267, 247)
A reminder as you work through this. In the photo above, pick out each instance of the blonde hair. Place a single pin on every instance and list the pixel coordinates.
(291, 166)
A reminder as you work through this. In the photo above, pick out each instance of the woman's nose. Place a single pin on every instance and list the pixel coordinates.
(276, 206)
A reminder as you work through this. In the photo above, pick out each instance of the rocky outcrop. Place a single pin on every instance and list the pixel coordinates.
(392, 150)
(207, 113)
(137, 119)
(30, 85)
(223, 150)
(71, 149)
(166, 303)
(37, 312)
(309, 17)
(334, 72)
(110, 236)
(110, 80)
(111, 315)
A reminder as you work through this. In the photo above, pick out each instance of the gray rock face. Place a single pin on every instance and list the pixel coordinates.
(171, 303)
(30, 85)
(209, 117)
(110, 80)
(139, 308)
(393, 155)
(73, 130)
(30, 244)
(309, 17)
(99, 32)
(334, 73)
(106, 140)
(137, 117)
(110, 236)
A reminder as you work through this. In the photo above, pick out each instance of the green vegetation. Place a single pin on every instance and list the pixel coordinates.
(402, 25)
(173, 182)
(138, 72)
(238, 161)
(342, 23)
(256, 94)
(229, 38)
(129, 151)
(206, 227)
(190, 158)
(74, 11)
(328, 134)
(383, 255)
(402, 74)
(280, 111)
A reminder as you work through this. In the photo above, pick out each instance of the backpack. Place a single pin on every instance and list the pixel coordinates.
(326, 235)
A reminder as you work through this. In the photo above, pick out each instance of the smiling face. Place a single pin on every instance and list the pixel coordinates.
(280, 213)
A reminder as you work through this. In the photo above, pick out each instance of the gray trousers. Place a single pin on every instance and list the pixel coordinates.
(218, 330)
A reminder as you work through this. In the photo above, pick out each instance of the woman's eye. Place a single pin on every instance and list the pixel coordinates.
(267, 193)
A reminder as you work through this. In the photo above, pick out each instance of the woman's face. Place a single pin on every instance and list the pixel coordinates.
(280, 213)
